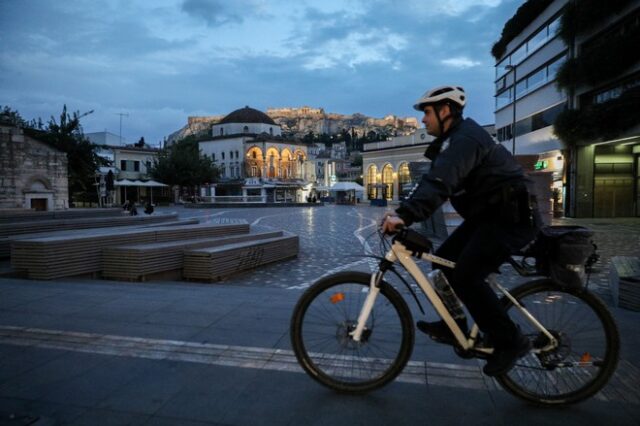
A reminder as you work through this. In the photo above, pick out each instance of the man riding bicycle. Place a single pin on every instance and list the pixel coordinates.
(487, 188)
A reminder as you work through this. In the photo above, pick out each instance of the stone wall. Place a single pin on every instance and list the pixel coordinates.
(31, 170)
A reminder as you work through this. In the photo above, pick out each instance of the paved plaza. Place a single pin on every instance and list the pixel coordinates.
(97, 352)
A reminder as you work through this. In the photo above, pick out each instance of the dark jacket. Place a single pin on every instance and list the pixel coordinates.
(470, 169)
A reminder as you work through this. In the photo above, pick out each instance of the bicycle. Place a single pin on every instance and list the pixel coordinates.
(354, 332)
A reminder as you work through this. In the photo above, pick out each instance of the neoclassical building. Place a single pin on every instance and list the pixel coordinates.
(255, 161)
(386, 164)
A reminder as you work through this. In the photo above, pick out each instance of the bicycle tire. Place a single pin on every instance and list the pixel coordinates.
(324, 315)
(582, 323)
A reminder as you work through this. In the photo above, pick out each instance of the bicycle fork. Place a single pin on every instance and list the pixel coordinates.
(374, 289)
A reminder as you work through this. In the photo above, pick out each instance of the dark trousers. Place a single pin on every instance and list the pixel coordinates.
(479, 247)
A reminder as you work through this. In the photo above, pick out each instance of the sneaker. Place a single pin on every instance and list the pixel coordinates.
(440, 331)
(503, 360)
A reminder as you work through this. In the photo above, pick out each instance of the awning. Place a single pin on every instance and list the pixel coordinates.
(346, 186)
(149, 183)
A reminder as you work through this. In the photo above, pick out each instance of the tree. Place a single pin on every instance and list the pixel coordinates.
(181, 164)
(83, 160)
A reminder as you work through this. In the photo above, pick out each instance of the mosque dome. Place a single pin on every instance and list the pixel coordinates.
(247, 115)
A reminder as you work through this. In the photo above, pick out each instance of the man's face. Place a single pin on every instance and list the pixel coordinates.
(431, 121)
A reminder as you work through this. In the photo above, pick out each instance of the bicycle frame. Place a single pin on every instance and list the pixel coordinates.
(399, 253)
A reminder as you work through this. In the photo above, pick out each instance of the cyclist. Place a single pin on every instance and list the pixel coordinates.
(487, 188)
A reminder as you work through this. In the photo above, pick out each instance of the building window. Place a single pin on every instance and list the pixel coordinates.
(404, 179)
(237, 155)
(221, 131)
(245, 129)
(387, 180)
(504, 98)
(136, 166)
(148, 165)
(615, 91)
(531, 82)
(532, 123)
(271, 131)
(123, 165)
(372, 181)
(213, 156)
(538, 39)
(223, 156)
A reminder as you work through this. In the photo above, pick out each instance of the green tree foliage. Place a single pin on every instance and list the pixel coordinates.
(66, 135)
(584, 15)
(599, 121)
(181, 164)
(603, 61)
(525, 14)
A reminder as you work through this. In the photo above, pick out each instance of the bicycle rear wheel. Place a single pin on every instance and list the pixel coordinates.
(320, 326)
(587, 354)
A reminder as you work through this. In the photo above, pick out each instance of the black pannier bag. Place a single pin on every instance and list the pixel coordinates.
(562, 252)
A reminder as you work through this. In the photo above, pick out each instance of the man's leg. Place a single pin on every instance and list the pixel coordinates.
(487, 249)
(482, 255)
(450, 249)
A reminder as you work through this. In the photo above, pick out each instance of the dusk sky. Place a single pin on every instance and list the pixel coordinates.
(161, 61)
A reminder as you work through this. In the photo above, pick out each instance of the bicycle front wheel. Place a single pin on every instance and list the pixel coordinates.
(325, 315)
(587, 352)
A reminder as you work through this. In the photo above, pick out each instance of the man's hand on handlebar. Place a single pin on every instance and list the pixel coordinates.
(391, 224)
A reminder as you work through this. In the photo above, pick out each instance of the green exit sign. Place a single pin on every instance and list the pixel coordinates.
(540, 165)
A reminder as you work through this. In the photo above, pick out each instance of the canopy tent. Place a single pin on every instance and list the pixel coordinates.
(346, 186)
(138, 183)
(353, 192)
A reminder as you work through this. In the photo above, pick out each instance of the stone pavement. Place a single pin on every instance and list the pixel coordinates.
(93, 352)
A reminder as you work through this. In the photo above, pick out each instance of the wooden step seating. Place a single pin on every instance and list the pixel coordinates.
(78, 253)
(215, 263)
(23, 215)
(624, 282)
(8, 230)
(141, 261)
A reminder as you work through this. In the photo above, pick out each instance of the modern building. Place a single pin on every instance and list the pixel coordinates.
(33, 174)
(527, 97)
(256, 162)
(568, 90)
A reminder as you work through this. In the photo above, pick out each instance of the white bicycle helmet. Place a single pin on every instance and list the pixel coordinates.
(442, 94)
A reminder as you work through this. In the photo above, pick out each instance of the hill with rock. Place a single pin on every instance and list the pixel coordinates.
(301, 122)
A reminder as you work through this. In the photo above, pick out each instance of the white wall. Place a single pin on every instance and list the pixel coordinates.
(238, 128)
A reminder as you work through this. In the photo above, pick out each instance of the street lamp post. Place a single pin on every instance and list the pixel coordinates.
(513, 122)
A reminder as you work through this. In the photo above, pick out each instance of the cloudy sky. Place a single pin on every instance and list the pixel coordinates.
(160, 61)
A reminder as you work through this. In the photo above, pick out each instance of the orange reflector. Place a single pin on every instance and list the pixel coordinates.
(586, 357)
(338, 297)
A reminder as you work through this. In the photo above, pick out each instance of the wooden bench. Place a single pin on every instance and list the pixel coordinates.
(26, 215)
(142, 261)
(624, 282)
(9, 230)
(215, 263)
(77, 253)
